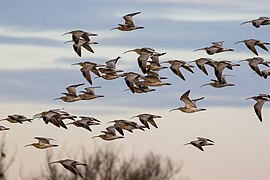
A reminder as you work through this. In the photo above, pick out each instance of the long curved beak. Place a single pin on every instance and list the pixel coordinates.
(95, 137)
(38, 115)
(246, 22)
(114, 28)
(186, 144)
(248, 98)
(56, 99)
(28, 145)
(238, 42)
(198, 49)
(69, 123)
(134, 117)
(128, 51)
(242, 60)
(75, 64)
(110, 122)
(66, 33)
(68, 41)
(174, 109)
(54, 162)
(205, 84)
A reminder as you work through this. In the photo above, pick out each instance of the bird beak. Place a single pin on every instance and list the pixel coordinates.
(238, 42)
(248, 98)
(128, 51)
(186, 144)
(56, 99)
(94, 137)
(68, 41)
(205, 84)
(54, 162)
(69, 123)
(198, 49)
(245, 22)
(110, 122)
(134, 117)
(66, 33)
(174, 109)
(28, 145)
(38, 115)
(113, 28)
(75, 64)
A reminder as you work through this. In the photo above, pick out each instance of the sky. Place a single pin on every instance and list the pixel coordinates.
(35, 68)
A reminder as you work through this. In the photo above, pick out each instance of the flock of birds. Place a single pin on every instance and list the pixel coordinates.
(150, 65)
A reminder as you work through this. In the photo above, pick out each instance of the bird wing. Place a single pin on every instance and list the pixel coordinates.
(258, 108)
(43, 140)
(86, 74)
(201, 66)
(250, 46)
(70, 168)
(204, 139)
(254, 66)
(186, 100)
(175, 69)
(77, 49)
(151, 121)
(261, 45)
(142, 61)
(128, 18)
(88, 47)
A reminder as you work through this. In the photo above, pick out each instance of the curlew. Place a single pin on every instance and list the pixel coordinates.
(70, 165)
(42, 143)
(251, 43)
(215, 48)
(82, 43)
(190, 105)
(145, 118)
(109, 134)
(219, 83)
(89, 93)
(16, 118)
(129, 24)
(86, 67)
(260, 100)
(220, 66)
(258, 22)
(78, 34)
(200, 142)
(254, 64)
(175, 67)
(201, 62)
(3, 128)
(85, 122)
(121, 125)
(71, 95)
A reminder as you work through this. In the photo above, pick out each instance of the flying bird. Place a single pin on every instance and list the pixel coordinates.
(3, 128)
(16, 118)
(200, 142)
(217, 47)
(260, 100)
(190, 105)
(251, 43)
(71, 165)
(129, 24)
(258, 22)
(77, 35)
(146, 118)
(42, 143)
(82, 43)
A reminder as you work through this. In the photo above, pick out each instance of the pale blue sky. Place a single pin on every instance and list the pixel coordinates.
(35, 69)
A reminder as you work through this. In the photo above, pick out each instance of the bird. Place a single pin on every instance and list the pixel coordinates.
(254, 64)
(16, 118)
(260, 100)
(201, 62)
(220, 66)
(3, 128)
(145, 118)
(86, 67)
(70, 165)
(78, 34)
(144, 54)
(82, 43)
(109, 134)
(190, 105)
(265, 73)
(217, 47)
(110, 66)
(85, 122)
(121, 125)
(42, 143)
(251, 43)
(132, 81)
(175, 67)
(89, 93)
(258, 22)
(200, 142)
(71, 95)
(153, 80)
(129, 24)
(54, 116)
(218, 83)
